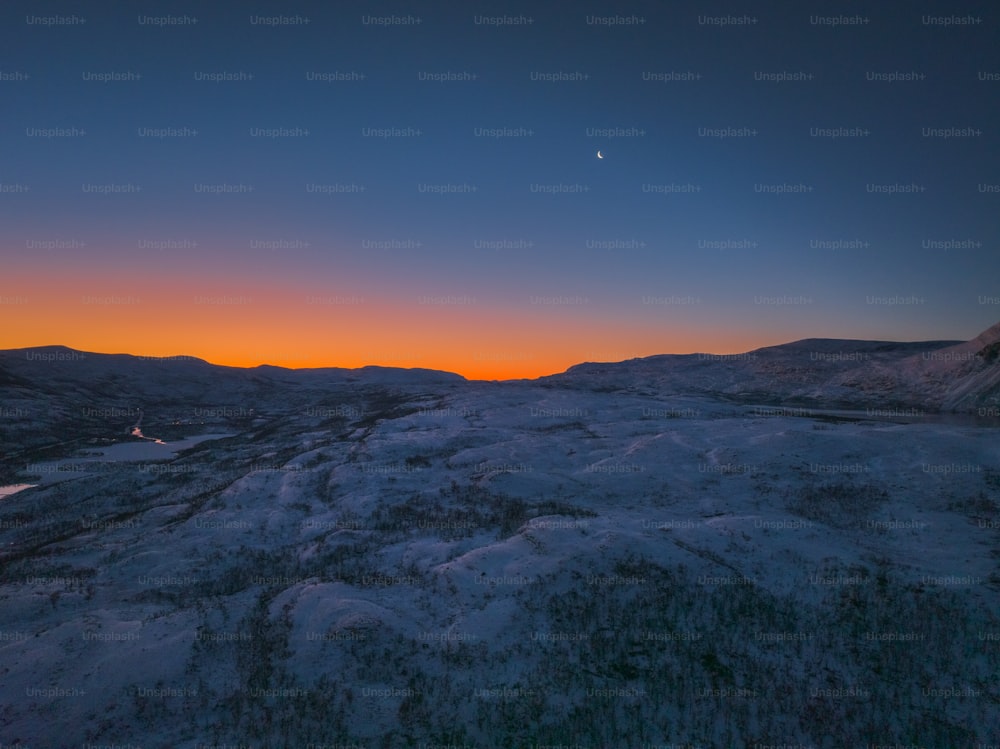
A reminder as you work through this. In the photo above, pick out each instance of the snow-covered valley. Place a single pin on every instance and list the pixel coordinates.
(627, 555)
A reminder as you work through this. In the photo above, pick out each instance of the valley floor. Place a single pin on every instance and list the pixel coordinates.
(511, 565)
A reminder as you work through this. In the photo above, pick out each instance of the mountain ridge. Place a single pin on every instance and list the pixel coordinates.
(934, 375)
(989, 336)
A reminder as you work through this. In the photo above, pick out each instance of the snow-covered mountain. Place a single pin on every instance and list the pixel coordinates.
(631, 555)
(49, 390)
(963, 377)
(823, 373)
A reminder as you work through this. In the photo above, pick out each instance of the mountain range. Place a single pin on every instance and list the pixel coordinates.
(43, 387)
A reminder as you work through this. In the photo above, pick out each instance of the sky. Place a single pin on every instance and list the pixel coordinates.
(418, 184)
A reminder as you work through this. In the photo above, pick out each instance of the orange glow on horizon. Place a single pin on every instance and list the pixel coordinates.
(245, 325)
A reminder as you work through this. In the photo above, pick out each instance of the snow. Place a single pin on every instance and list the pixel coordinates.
(423, 541)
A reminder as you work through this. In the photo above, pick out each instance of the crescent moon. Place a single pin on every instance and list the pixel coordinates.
(599, 155)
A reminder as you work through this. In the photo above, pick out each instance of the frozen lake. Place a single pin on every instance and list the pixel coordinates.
(892, 415)
(147, 449)
(96, 459)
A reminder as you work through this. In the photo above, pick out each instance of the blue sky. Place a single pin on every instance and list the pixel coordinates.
(841, 258)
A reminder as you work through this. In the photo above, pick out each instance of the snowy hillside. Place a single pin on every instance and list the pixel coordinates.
(823, 373)
(963, 377)
(628, 555)
(47, 390)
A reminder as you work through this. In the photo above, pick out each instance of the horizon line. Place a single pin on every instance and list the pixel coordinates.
(192, 358)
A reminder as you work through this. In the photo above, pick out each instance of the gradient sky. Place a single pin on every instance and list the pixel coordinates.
(512, 279)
